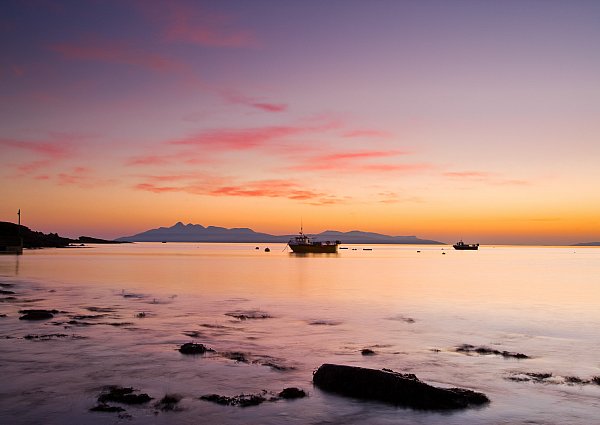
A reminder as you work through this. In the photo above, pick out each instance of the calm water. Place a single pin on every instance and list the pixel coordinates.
(412, 308)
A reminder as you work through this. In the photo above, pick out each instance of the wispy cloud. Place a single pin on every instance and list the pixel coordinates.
(359, 161)
(41, 154)
(202, 27)
(237, 98)
(485, 177)
(217, 186)
(116, 52)
(250, 138)
(366, 133)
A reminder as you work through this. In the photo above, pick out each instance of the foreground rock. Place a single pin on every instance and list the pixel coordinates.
(392, 387)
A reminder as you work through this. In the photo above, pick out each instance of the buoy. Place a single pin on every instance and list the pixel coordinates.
(267, 249)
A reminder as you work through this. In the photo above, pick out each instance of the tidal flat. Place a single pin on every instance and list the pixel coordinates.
(95, 335)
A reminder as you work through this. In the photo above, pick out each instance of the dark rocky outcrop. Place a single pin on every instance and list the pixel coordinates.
(193, 348)
(399, 389)
(168, 402)
(102, 407)
(485, 351)
(242, 400)
(292, 393)
(367, 352)
(37, 314)
(123, 395)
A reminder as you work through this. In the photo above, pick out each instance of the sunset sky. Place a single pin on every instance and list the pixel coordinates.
(445, 119)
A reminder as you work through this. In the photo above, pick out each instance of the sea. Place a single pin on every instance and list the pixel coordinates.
(272, 318)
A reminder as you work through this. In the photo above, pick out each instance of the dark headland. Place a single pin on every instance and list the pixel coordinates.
(32, 239)
(197, 233)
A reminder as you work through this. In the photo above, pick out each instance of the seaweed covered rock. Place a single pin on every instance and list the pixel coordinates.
(193, 348)
(392, 387)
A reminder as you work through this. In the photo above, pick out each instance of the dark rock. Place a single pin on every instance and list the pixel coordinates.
(106, 408)
(575, 380)
(193, 348)
(596, 380)
(37, 314)
(529, 376)
(250, 314)
(367, 352)
(392, 387)
(243, 400)
(123, 395)
(168, 402)
(235, 355)
(5, 292)
(291, 393)
(484, 351)
(45, 337)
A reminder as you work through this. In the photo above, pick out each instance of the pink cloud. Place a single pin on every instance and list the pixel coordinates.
(270, 107)
(355, 161)
(366, 133)
(485, 177)
(467, 174)
(116, 53)
(248, 138)
(402, 168)
(54, 149)
(216, 186)
(236, 98)
(188, 25)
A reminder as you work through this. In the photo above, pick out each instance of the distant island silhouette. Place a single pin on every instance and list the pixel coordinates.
(197, 233)
(32, 239)
(587, 244)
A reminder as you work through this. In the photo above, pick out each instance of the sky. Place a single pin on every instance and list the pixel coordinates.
(453, 119)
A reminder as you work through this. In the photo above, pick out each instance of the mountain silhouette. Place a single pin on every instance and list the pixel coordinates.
(197, 233)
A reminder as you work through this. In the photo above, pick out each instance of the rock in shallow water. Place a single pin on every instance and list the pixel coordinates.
(392, 387)
(193, 348)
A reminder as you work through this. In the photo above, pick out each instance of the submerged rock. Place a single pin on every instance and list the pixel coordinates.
(37, 314)
(250, 314)
(292, 393)
(168, 402)
(242, 400)
(193, 348)
(392, 387)
(468, 348)
(367, 352)
(123, 395)
(106, 408)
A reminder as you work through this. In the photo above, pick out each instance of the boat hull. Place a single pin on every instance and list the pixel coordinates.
(314, 249)
(466, 247)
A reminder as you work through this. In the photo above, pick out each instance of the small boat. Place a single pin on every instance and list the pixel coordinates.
(460, 245)
(302, 244)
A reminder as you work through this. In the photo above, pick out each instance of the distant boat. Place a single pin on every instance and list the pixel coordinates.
(460, 245)
(302, 244)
